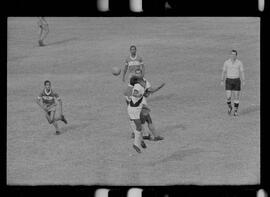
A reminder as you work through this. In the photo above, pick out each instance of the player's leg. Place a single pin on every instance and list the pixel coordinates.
(236, 102)
(47, 115)
(236, 92)
(152, 131)
(45, 30)
(229, 100)
(40, 41)
(138, 134)
(60, 117)
(54, 122)
(134, 115)
(228, 88)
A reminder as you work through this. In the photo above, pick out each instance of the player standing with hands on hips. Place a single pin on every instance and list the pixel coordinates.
(234, 71)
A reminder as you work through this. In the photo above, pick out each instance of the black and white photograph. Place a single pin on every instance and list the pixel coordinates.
(145, 101)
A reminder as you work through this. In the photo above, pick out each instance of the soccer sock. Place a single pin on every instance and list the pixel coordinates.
(132, 125)
(229, 103)
(137, 138)
(55, 125)
(236, 104)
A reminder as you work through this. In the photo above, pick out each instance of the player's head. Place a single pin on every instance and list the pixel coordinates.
(47, 84)
(234, 54)
(133, 50)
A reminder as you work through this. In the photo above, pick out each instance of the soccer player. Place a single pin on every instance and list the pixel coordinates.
(234, 70)
(134, 109)
(44, 30)
(144, 114)
(132, 63)
(47, 101)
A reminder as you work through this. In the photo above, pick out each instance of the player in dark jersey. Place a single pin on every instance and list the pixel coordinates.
(47, 101)
(132, 63)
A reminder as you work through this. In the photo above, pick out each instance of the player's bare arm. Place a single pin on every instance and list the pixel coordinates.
(153, 90)
(143, 69)
(223, 75)
(242, 75)
(40, 103)
(124, 72)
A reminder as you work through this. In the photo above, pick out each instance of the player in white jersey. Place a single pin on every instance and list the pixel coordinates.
(234, 70)
(142, 111)
(44, 30)
(132, 63)
(134, 109)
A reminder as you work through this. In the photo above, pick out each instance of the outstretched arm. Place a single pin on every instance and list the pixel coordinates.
(153, 90)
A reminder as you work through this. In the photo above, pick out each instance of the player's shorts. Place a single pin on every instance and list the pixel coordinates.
(233, 84)
(134, 112)
(144, 118)
(51, 108)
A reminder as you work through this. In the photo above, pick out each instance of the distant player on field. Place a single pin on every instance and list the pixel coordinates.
(44, 30)
(234, 71)
(47, 101)
(132, 63)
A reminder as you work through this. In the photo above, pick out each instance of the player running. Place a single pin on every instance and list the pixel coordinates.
(44, 30)
(138, 110)
(234, 70)
(46, 100)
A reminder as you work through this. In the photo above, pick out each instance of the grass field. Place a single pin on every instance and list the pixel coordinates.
(203, 145)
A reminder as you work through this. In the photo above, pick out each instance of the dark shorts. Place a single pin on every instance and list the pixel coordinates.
(233, 84)
(144, 119)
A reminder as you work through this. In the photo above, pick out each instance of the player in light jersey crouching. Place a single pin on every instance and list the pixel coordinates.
(46, 100)
(234, 70)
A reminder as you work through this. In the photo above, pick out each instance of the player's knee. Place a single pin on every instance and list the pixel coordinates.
(51, 121)
(138, 126)
(148, 119)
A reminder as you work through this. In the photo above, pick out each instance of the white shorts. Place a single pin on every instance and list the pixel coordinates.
(134, 112)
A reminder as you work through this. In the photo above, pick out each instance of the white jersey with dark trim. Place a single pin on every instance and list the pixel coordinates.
(136, 101)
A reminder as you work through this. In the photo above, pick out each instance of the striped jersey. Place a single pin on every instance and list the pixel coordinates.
(134, 63)
(48, 98)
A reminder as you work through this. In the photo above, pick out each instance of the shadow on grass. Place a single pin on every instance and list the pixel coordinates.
(62, 41)
(250, 109)
(172, 127)
(178, 155)
(73, 127)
